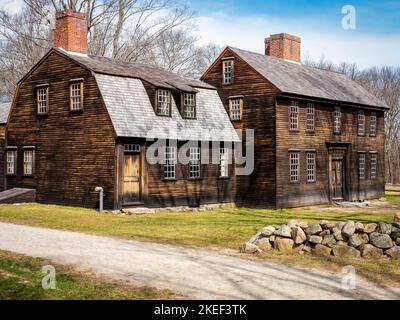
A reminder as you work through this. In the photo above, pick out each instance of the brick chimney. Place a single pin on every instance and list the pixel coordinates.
(283, 46)
(70, 32)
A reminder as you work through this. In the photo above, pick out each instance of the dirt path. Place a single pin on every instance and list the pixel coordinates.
(197, 274)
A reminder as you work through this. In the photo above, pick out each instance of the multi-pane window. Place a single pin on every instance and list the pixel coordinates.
(374, 165)
(170, 163)
(337, 121)
(11, 162)
(163, 102)
(310, 117)
(294, 115)
(42, 100)
(76, 96)
(361, 165)
(235, 106)
(227, 71)
(224, 162)
(294, 166)
(361, 123)
(189, 105)
(28, 162)
(194, 163)
(132, 148)
(311, 162)
(372, 124)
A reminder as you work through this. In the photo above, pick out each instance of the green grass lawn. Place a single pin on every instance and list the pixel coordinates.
(21, 279)
(226, 228)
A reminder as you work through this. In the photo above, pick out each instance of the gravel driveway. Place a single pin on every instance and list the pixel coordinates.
(197, 274)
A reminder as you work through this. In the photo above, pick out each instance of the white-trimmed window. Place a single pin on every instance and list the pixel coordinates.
(42, 96)
(361, 123)
(163, 102)
(361, 165)
(227, 71)
(373, 124)
(76, 96)
(337, 121)
(294, 158)
(224, 162)
(189, 105)
(310, 117)
(294, 116)
(29, 157)
(194, 163)
(235, 107)
(11, 165)
(374, 165)
(311, 164)
(170, 163)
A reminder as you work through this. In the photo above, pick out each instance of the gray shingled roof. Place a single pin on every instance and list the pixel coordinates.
(154, 75)
(293, 78)
(133, 115)
(4, 112)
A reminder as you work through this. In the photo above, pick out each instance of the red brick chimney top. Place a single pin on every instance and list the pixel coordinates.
(70, 32)
(284, 46)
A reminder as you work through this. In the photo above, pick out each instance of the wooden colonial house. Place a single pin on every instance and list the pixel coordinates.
(319, 136)
(79, 122)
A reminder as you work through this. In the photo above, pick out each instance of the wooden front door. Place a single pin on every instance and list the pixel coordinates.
(337, 180)
(132, 178)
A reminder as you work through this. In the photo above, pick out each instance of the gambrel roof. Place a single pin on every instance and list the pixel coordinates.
(296, 79)
(132, 112)
(4, 112)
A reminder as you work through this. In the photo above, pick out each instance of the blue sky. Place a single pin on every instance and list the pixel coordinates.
(245, 24)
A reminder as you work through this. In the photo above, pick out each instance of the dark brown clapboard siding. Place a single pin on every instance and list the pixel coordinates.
(2, 157)
(258, 189)
(74, 151)
(303, 193)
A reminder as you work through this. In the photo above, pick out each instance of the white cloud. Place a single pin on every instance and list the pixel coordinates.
(318, 39)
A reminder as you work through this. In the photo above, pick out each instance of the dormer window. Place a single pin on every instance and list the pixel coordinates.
(189, 106)
(163, 102)
(76, 95)
(42, 98)
(227, 71)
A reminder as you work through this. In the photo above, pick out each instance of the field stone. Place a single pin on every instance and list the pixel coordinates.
(298, 248)
(338, 234)
(385, 228)
(359, 227)
(342, 243)
(325, 233)
(398, 242)
(272, 239)
(268, 231)
(249, 248)
(313, 229)
(255, 238)
(293, 223)
(284, 231)
(368, 251)
(346, 252)
(395, 233)
(315, 239)
(394, 252)
(284, 245)
(397, 219)
(370, 227)
(355, 241)
(298, 235)
(322, 251)
(264, 244)
(382, 241)
(326, 225)
(329, 241)
(348, 229)
(303, 225)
